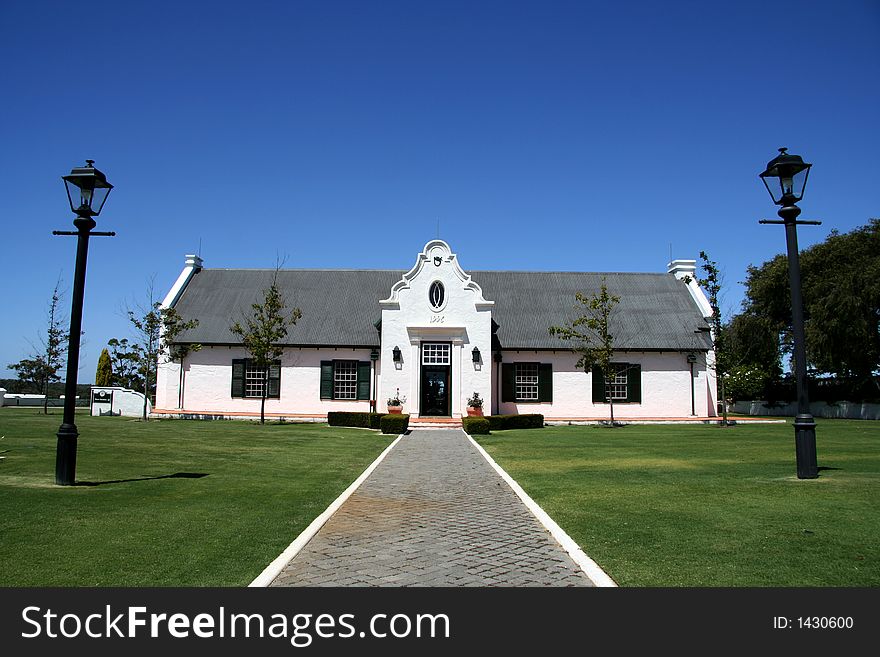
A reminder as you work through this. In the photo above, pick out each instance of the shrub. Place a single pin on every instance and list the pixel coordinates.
(475, 425)
(394, 423)
(348, 419)
(526, 421)
(375, 420)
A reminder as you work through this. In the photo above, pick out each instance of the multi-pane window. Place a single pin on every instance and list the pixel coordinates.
(625, 385)
(254, 380)
(345, 380)
(618, 388)
(527, 381)
(250, 381)
(436, 354)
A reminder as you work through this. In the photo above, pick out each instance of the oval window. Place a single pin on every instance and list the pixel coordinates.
(436, 295)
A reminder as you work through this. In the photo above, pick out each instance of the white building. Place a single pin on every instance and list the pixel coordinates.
(437, 334)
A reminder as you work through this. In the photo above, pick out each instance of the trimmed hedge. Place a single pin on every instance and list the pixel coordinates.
(475, 425)
(348, 419)
(526, 421)
(394, 423)
(352, 419)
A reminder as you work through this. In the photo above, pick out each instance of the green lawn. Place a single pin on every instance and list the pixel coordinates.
(674, 505)
(165, 503)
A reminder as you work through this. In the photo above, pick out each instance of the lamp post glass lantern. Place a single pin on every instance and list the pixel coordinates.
(87, 191)
(786, 179)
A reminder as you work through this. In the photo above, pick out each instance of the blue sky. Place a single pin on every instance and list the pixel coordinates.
(541, 135)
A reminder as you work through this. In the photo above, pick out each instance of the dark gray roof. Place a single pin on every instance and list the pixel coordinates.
(340, 307)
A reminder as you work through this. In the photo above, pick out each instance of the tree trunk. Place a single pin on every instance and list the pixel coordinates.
(146, 390)
(723, 404)
(46, 396)
(263, 397)
(179, 386)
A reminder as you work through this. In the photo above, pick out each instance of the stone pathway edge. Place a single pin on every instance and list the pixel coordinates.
(273, 569)
(591, 569)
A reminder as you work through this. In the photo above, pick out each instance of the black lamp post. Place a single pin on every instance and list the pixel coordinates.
(87, 190)
(374, 356)
(497, 357)
(786, 179)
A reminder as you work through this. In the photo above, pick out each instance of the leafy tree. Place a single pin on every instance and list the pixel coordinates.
(104, 373)
(156, 330)
(173, 325)
(753, 340)
(125, 361)
(841, 284)
(31, 373)
(262, 332)
(753, 346)
(44, 367)
(712, 284)
(768, 298)
(591, 334)
(841, 290)
(746, 381)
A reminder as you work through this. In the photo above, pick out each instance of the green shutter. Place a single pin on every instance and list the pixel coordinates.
(545, 382)
(598, 385)
(274, 384)
(634, 384)
(508, 382)
(363, 379)
(326, 379)
(238, 377)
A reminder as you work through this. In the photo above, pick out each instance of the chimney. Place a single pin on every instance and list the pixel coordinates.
(193, 261)
(682, 268)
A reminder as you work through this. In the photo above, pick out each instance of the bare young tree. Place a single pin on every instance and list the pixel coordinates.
(262, 332)
(591, 334)
(156, 330)
(44, 366)
(712, 284)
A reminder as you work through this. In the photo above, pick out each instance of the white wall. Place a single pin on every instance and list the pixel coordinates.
(408, 320)
(208, 383)
(119, 401)
(666, 388)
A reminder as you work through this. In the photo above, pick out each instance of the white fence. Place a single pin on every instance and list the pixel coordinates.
(844, 409)
(22, 399)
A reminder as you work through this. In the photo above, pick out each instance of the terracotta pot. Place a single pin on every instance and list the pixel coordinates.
(395, 409)
(474, 412)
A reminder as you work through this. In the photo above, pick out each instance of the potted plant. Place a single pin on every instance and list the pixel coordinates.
(475, 405)
(395, 403)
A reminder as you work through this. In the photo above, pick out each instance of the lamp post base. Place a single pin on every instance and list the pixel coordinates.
(65, 455)
(805, 446)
